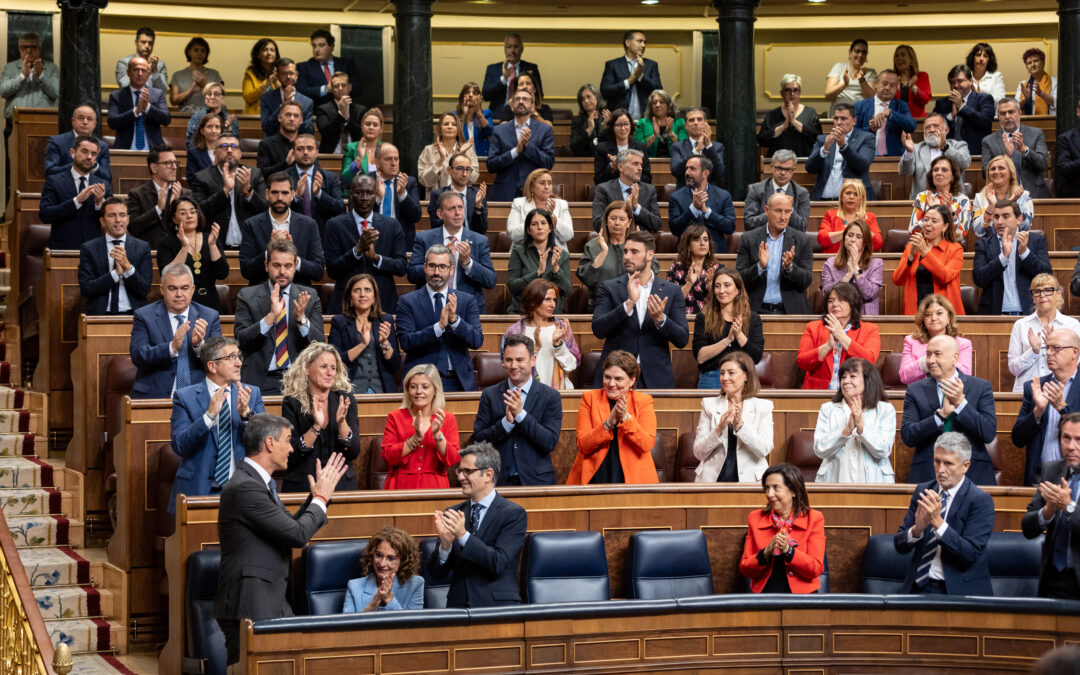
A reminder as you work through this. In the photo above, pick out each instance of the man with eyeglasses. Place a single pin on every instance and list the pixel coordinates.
(1006, 262)
(918, 157)
(229, 193)
(844, 152)
(475, 196)
(519, 147)
(699, 143)
(148, 203)
(472, 269)
(166, 335)
(757, 195)
(1047, 399)
(438, 325)
(208, 419)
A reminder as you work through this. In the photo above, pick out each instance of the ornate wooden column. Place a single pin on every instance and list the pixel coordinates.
(412, 80)
(80, 63)
(1068, 64)
(735, 93)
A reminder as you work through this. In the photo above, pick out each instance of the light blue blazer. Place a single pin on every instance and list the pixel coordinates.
(409, 595)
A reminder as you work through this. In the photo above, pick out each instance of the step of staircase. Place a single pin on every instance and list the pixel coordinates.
(100, 664)
(87, 635)
(35, 501)
(38, 531)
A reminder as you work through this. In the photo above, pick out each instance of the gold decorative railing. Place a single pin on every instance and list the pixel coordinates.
(24, 640)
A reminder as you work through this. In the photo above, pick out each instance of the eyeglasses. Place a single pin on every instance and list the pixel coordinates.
(172, 163)
(467, 472)
(460, 168)
(229, 146)
(860, 51)
(1042, 292)
(782, 169)
(238, 357)
(1054, 349)
(790, 90)
(437, 267)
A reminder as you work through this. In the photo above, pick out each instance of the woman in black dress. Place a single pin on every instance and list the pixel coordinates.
(192, 244)
(618, 135)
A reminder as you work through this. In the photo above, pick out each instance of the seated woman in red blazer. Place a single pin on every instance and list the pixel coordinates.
(839, 335)
(785, 541)
(931, 262)
(616, 428)
(420, 439)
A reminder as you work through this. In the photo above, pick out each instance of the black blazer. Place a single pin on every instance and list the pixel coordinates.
(344, 336)
(528, 446)
(793, 282)
(475, 214)
(989, 274)
(145, 223)
(310, 78)
(683, 150)
(494, 91)
(71, 226)
(1031, 433)
(302, 459)
(273, 151)
(122, 117)
(329, 122)
(58, 156)
(208, 273)
(197, 160)
(95, 274)
(972, 122)
(616, 94)
(252, 305)
(611, 191)
(208, 188)
(255, 233)
(642, 338)
(485, 569)
(1052, 472)
(342, 264)
(602, 171)
(1067, 164)
(582, 143)
(327, 204)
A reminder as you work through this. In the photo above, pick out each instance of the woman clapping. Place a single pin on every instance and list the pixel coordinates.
(856, 430)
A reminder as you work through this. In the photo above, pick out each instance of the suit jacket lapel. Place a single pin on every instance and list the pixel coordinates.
(165, 321)
(488, 517)
(954, 510)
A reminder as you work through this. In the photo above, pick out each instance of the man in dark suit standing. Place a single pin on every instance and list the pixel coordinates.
(115, 270)
(520, 416)
(884, 116)
(1006, 261)
(969, 113)
(166, 335)
(281, 222)
(315, 76)
(699, 143)
(948, 525)
(1025, 145)
(148, 203)
(318, 192)
(628, 80)
(362, 241)
(276, 320)
(776, 263)
(845, 152)
(701, 202)
(270, 102)
(628, 187)
(473, 270)
(58, 149)
(338, 118)
(480, 539)
(137, 112)
(500, 79)
(518, 147)
(948, 400)
(757, 194)
(276, 151)
(1053, 510)
(229, 193)
(208, 419)
(1048, 399)
(71, 199)
(438, 325)
(398, 194)
(475, 196)
(642, 314)
(258, 534)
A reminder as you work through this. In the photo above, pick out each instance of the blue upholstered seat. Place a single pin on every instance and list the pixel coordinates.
(669, 564)
(566, 567)
(205, 649)
(328, 568)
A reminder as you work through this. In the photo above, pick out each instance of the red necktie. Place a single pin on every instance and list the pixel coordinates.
(326, 72)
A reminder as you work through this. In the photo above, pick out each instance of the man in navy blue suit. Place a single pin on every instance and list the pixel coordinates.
(115, 270)
(884, 116)
(948, 525)
(642, 314)
(845, 152)
(970, 113)
(137, 112)
(398, 194)
(270, 102)
(701, 202)
(473, 270)
(476, 209)
(628, 80)
(318, 192)
(519, 147)
(948, 400)
(522, 417)
(314, 75)
(208, 420)
(1047, 399)
(1006, 261)
(71, 199)
(281, 222)
(698, 143)
(58, 149)
(165, 336)
(362, 241)
(439, 326)
(500, 78)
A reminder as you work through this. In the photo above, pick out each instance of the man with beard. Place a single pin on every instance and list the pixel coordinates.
(365, 242)
(276, 320)
(71, 199)
(518, 147)
(918, 157)
(969, 114)
(270, 103)
(281, 222)
(148, 203)
(471, 268)
(701, 202)
(115, 271)
(698, 143)
(276, 151)
(475, 196)
(229, 193)
(1024, 145)
(628, 80)
(628, 187)
(57, 151)
(439, 326)
(318, 192)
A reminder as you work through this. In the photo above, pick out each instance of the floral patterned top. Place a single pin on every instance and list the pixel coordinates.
(695, 299)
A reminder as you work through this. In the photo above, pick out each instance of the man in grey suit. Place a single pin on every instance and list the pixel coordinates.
(918, 156)
(258, 533)
(783, 169)
(276, 320)
(628, 187)
(1025, 145)
(776, 263)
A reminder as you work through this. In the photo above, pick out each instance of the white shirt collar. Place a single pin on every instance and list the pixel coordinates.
(486, 501)
(258, 469)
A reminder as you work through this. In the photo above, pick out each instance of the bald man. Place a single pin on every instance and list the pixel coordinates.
(948, 400)
(776, 262)
(1047, 399)
(397, 195)
(58, 150)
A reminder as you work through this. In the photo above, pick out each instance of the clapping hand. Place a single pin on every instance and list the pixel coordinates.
(198, 332)
(1055, 393)
(216, 401)
(836, 329)
(523, 139)
(300, 306)
(909, 144)
(437, 421)
(326, 478)
(243, 398)
(1021, 239)
(318, 413)
(215, 232)
(633, 288)
(1006, 244)
(618, 413)
(451, 305)
(1057, 497)
(144, 100)
(656, 305)
(763, 255)
(788, 259)
(778, 545)
(384, 331)
(342, 413)
(178, 335)
(512, 401)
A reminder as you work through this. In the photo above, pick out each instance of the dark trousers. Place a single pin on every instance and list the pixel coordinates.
(450, 383)
(933, 587)
(1061, 584)
(271, 386)
(232, 640)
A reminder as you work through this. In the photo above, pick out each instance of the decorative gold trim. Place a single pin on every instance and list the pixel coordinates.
(560, 645)
(487, 648)
(908, 636)
(820, 636)
(635, 641)
(745, 635)
(18, 651)
(1013, 638)
(669, 638)
(876, 651)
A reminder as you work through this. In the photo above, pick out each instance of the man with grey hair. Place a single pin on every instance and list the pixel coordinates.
(918, 157)
(757, 195)
(472, 270)
(1047, 399)
(698, 143)
(628, 187)
(480, 539)
(438, 325)
(1024, 145)
(948, 525)
(165, 336)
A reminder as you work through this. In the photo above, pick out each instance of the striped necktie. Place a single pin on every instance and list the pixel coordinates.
(922, 572)
(140, 126)
(281, 340)
(224, 444)
(183, 367)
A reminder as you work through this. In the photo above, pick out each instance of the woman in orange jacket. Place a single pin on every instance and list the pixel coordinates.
(785, 541)
(616, 429)
(839, 335)
(931, 262)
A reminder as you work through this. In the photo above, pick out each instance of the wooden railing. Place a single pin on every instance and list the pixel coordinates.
(25, 646)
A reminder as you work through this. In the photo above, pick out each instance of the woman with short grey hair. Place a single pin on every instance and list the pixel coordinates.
(793, 126)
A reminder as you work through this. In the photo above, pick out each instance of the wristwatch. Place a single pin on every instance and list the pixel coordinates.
(1070, 508)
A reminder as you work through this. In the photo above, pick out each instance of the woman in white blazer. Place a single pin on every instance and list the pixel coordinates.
(856, 430)
(734, 416)
(539, 191)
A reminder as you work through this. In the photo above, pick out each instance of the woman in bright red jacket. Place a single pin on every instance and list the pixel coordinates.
(840, 334)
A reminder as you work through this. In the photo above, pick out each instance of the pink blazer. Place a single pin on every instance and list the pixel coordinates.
(915, 350)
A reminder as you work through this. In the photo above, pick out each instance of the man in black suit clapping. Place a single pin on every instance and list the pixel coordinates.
(115, 270)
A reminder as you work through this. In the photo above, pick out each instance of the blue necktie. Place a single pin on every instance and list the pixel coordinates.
(224, 444)
(922, 572)
(444, 356)
(474, 517)
(183, 366)
(140, 127)
(1061, 529)
(272, 486)
(114, 294)
(388, 199)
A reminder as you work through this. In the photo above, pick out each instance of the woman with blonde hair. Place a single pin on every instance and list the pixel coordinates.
(735, 431)
(390, 564)
(539, 193)
(661, 125)
(1001, 184)
(1027, 340)
(914, 84)
(934, 317)
(359, 156)
(318, 402)
(850, 206)
(433, 165)
(420, 439)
